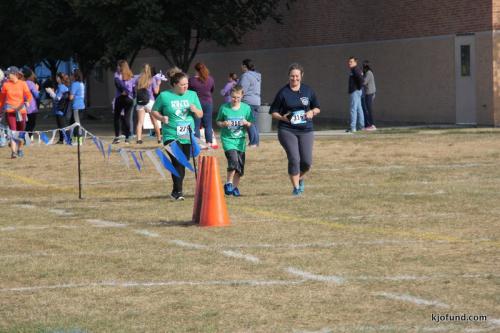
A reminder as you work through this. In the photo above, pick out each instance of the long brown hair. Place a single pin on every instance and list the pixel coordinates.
(145, 78)
(125, 70)
(202, 71)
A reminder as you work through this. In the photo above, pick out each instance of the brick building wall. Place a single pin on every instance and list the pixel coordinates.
(496, 14)
(411, 44)
(325, 22)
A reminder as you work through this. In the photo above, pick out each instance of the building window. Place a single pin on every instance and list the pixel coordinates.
(465, 60)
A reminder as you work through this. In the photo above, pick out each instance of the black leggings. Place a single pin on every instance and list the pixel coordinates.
(298, 147)
(181, 170)
(125, 103)
(61, 123)
(31, 123)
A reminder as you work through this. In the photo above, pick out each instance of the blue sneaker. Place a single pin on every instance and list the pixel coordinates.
(296, 192)
(301, 185)
(236, 192)
(20, 153)
(228, 188)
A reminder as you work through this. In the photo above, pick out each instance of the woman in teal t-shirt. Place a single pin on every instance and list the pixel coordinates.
(175, 108)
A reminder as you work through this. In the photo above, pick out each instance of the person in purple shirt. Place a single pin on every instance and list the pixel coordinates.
(203, 84)
(226, 91)
(125, 82)
(30, 79)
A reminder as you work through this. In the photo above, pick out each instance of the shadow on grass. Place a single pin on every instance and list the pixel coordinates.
(186, 224)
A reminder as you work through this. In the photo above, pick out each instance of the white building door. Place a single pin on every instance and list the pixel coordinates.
(465, 79)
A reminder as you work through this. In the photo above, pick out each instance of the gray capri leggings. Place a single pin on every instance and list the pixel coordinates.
(298, 148)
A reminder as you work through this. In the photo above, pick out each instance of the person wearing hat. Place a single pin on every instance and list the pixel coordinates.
(15, 97)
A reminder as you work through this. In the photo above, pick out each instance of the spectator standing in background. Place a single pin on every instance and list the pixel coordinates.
(203, 84)
(369, 91)
(250, 80)
(355, 92)
(226, 91)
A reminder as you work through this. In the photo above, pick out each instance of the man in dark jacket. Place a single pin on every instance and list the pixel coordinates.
(355, 92)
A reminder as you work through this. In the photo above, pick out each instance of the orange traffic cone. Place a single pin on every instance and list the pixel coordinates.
(199, 189)
(213, 211)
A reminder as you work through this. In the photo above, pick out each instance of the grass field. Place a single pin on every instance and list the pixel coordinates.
(395, 230)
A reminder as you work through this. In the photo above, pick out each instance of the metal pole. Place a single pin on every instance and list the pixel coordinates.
(79, 163)
(192, 152)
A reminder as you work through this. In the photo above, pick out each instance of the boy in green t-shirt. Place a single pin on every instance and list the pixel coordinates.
(234, 118)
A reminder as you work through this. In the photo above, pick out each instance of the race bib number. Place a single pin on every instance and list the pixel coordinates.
(298, 117)
(183, 130)
(235, 123)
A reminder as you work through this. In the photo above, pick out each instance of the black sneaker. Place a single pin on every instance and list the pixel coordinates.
(116, 140)
(177, 196)
(139, 142)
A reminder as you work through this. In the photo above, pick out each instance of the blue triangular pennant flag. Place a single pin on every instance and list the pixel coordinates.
(124, 156)
(179, 155)
(27, 139)
(166, 163)
(67, 137)
(135, 161)
(94, 139)
(195, 147)
(101, 146)
(44, 138)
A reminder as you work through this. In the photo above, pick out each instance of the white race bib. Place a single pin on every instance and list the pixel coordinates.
(183, 130)
(298, 117)
(235, 123)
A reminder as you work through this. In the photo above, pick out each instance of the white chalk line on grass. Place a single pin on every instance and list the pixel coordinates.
(393, 328)
(129, 284)
(146, 233)
(407, 166)
(315, 277)
(60, 212)
(106, 224)
(412, 299)
(25, 206)
(328, 244)
(239, 255)
(188, 245)
(37, 227)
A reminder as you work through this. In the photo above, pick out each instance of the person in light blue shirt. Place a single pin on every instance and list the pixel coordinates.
(77, 98)
(60, 101)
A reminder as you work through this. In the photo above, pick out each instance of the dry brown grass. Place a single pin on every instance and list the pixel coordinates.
(399, 212)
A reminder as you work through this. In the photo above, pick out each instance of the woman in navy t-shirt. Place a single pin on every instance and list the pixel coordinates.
(294, 106)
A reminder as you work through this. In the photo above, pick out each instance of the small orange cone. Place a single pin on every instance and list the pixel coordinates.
(214, 141)
(213, 211)
(199, 189)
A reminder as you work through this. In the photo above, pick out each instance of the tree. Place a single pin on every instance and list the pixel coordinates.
(223, 22)
(175, 28)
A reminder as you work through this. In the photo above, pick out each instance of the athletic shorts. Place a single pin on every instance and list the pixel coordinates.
(235, 161)
(148, 106)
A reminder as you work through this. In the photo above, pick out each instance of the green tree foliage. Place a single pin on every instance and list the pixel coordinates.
(104, 31)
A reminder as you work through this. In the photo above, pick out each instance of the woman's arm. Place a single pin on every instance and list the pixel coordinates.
(197, 112)
(159, 117)
(278, 116)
